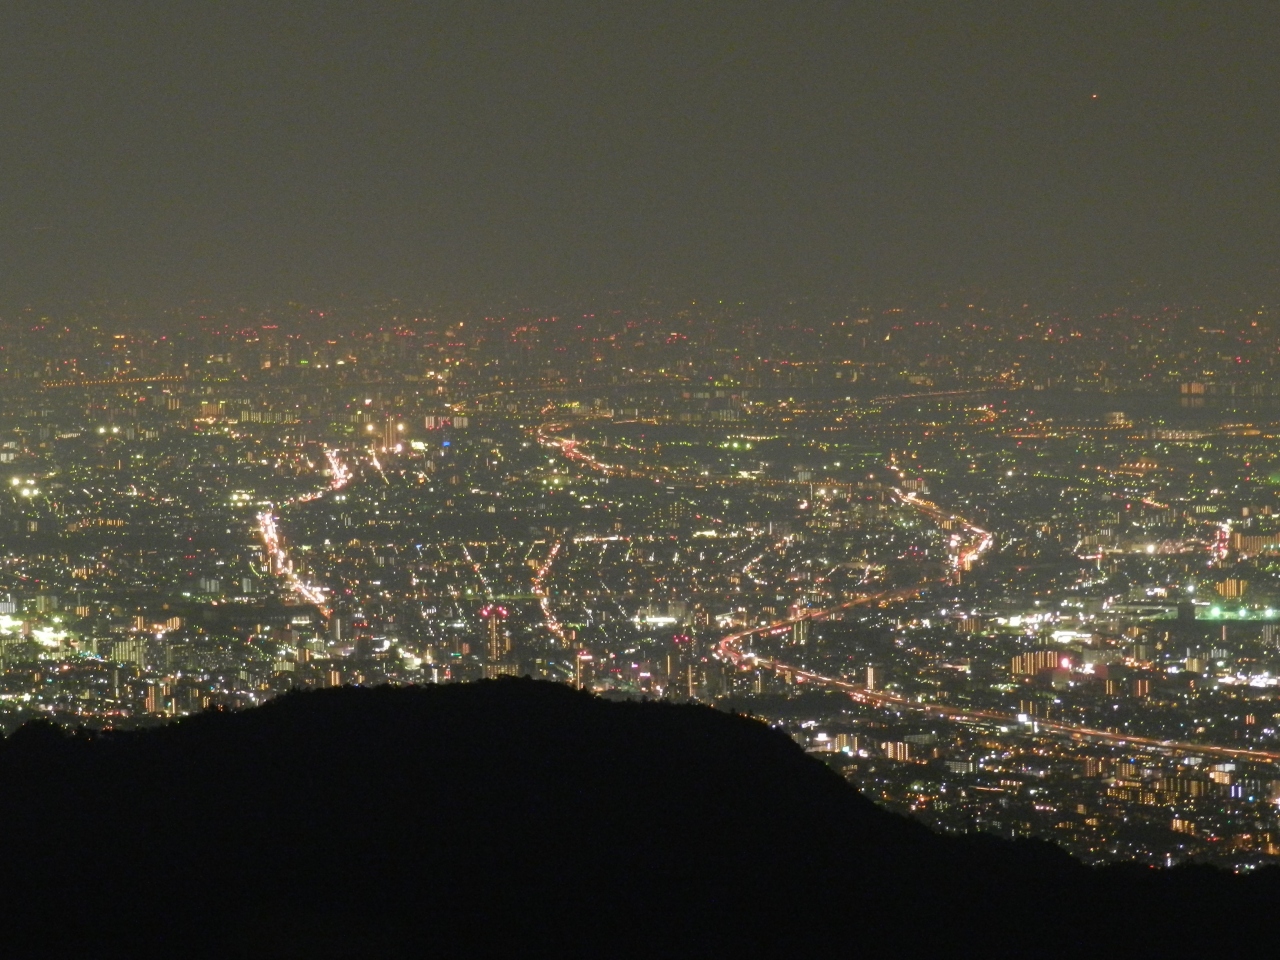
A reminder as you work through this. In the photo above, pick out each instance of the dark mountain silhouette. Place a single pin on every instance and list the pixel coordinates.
(526, 818)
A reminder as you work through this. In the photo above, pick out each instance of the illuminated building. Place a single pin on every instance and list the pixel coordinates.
(896, 750)
(1036, 661)
(132, 650)
(875, 677)
(497, 641)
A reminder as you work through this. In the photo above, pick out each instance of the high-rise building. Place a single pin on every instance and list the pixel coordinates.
(1231, 588)
(800, 631)
(896, 750)
(1036, 661)
(497, 641)
(132, 650)
(157, 698)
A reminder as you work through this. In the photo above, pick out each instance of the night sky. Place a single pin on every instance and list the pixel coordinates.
(503, 148)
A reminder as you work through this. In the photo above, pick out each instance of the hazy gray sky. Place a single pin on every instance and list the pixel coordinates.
(481, 147)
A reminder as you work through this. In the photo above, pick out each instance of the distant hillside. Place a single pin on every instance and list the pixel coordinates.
(526, 817)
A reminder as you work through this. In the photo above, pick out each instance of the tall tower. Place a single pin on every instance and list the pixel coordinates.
(875, 677)
(498, 642)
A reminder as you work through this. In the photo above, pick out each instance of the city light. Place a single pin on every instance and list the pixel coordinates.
(1015, 603)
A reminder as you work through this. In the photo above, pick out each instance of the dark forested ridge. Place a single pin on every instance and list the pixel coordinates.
(526, 816)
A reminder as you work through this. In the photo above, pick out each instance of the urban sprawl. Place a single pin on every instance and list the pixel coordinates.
(1006, 567)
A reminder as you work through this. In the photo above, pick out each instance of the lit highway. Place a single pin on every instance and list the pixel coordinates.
(730, 648)
(278, 561)
(966, 549)
(544, 598)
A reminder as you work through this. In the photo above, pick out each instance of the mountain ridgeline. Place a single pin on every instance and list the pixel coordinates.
(528, 817)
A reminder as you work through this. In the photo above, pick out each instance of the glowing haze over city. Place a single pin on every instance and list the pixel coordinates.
(902, 377)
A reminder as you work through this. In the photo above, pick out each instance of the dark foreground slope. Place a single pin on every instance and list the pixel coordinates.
(516, 814)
